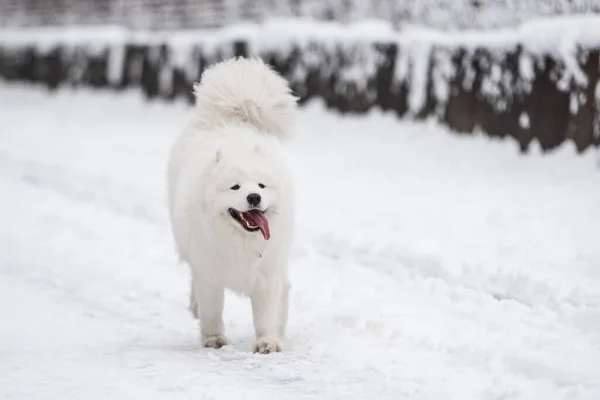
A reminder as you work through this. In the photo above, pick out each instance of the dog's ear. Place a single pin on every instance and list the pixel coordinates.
(218, 156)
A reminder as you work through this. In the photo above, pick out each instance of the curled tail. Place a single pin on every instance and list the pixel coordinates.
(246, 90)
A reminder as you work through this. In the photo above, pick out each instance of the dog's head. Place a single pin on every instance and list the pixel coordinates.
(246, 191)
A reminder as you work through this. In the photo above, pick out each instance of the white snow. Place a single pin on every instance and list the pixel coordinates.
(524, 121)
(426, 265)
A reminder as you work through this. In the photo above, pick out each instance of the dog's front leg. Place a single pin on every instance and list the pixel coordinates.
(210, 301)
(269, 310)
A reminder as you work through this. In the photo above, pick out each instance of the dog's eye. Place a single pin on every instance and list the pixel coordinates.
(260, 185)
(235, 187)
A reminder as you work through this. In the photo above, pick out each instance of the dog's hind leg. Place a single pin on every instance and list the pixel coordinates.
(193, 306)
(210, 302)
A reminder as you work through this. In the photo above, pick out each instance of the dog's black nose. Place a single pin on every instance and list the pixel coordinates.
(254, 199)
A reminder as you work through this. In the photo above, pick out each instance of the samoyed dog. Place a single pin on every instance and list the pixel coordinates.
(231, 198)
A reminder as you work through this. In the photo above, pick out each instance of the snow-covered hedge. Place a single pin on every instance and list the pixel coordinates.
(538, 81)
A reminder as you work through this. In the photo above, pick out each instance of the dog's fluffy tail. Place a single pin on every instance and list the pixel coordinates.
(246, 90)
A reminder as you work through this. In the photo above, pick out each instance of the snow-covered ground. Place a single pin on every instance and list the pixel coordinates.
(426, 265)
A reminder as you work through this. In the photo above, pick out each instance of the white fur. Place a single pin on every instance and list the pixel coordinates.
(245, 90)
(242, 111)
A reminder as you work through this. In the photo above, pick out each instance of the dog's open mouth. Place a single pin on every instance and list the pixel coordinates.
(252, 221)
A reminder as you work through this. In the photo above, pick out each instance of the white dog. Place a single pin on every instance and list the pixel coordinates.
(231, 198)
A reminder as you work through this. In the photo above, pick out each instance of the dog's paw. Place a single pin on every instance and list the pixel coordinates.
(215, 341)
(267, 345)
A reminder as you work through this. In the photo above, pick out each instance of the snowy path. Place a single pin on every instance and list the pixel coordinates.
(426, 266)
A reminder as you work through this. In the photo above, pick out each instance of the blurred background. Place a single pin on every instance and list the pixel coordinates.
(185, 14)
(448, 199)
(508, 68)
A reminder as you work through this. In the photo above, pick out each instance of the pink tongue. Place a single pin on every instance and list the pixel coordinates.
(257, 218)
